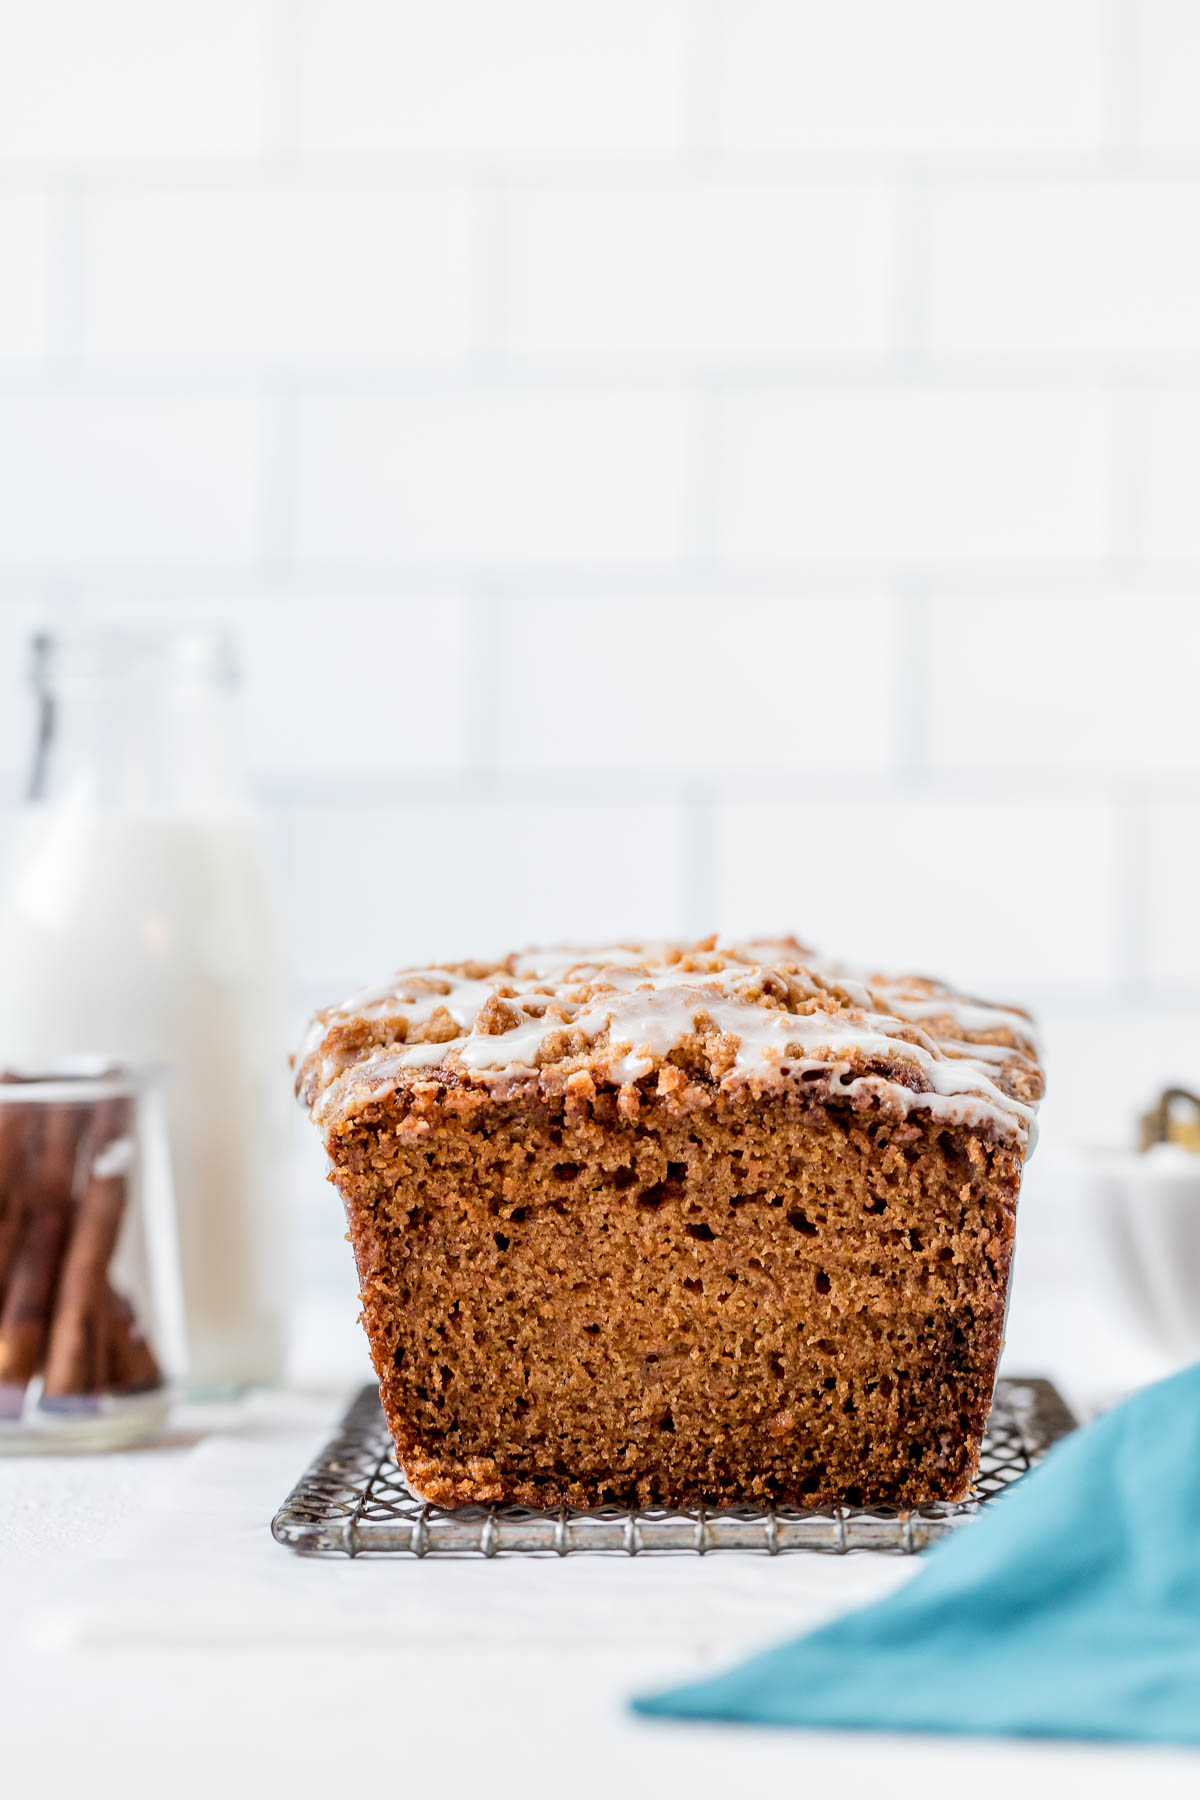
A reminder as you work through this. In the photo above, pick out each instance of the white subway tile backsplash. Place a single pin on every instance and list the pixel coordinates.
(1006, 896)
(928, 75)
(504, 476)
(1100, 681)
(1165, 448)
(1147, 1049)
(912, 473)
(344, 686)
(461, 878)
(713, 683)
(467, 77)
(28, 267)
(328, 272)
(1065, 268)
(333, 687)
(1166, 53)
(133, 78)
(710, 269)
(1172, 887)
(594, 421)
(129, 477)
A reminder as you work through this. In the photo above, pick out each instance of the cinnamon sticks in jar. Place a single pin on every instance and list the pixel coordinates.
(43, 1187)
(65, 1174)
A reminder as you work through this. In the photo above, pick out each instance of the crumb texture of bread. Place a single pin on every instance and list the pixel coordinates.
(695, 1226)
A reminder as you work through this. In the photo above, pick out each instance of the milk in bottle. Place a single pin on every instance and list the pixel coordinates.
(137, 922)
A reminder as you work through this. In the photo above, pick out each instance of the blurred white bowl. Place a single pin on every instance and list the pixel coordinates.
(1144, 1214)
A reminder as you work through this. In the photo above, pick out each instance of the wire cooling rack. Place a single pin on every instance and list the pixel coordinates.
(354, 1501)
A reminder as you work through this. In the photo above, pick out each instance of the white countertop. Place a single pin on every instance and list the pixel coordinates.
(155, 1640)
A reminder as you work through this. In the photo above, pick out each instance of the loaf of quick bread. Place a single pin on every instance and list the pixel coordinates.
(678, 1224)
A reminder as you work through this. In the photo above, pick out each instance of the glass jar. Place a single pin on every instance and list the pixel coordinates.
(138, 925)
(91, 1319)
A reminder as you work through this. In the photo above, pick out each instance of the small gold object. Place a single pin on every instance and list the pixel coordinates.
(1167, 1123)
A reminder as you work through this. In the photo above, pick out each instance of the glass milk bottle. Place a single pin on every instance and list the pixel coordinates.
(136, 923)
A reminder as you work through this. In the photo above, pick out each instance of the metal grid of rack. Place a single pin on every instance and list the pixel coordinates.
(354, 1501)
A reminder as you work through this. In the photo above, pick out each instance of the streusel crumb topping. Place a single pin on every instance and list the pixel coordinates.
(700, 1016)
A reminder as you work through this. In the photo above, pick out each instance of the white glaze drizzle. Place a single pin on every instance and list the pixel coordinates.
(642, 1004)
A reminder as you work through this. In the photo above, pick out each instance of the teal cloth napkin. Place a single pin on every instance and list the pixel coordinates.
(1069, 1608)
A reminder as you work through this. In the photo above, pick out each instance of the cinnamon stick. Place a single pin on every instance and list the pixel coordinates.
(110, 1364)
(20, 1126)
(29, 1299)
(16, 1132)
(59, 1228)
(132, 1365)
(73, 1361)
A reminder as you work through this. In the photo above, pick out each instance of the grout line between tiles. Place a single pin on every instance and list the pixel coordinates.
(1124, 432)
(281, 98)
(699, 99)
(68, 295)
(281, 476)
(1131, 895)
(491, 249)
(1118, 27)
(486, 622)
(911, 676)
(910, 252)
(699, 860)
